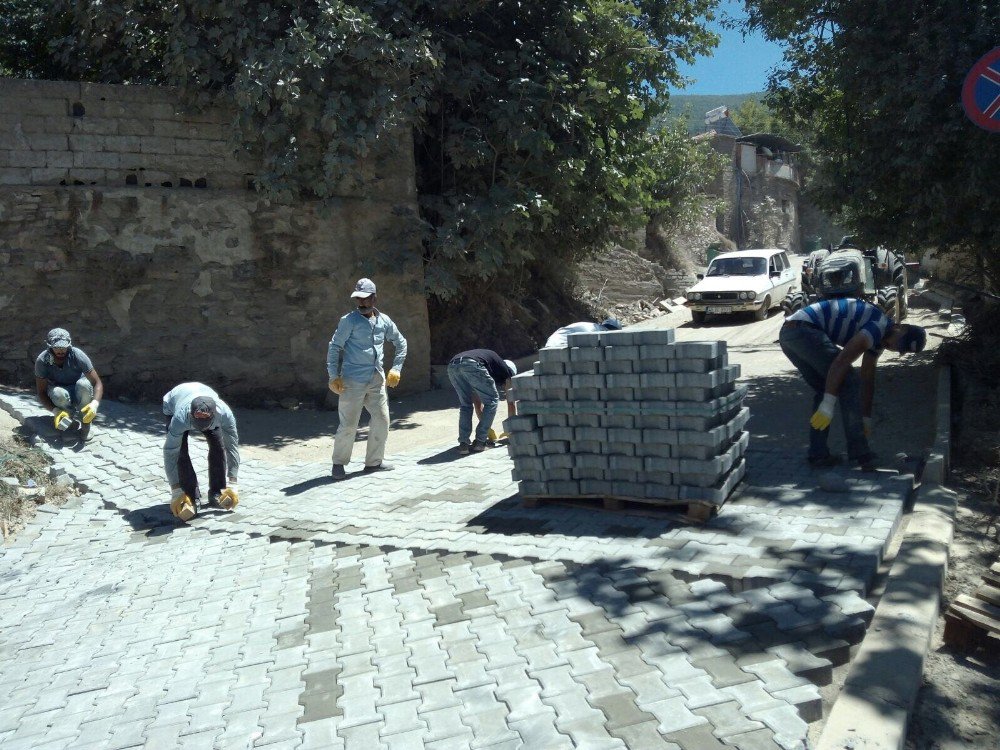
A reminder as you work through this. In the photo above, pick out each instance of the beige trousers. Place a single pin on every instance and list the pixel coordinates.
(373, 397)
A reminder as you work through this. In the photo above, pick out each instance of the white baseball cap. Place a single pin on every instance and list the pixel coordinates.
(364, 288)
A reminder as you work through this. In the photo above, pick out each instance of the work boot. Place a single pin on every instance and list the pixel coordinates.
(213, 499)
(379, 467)
(85, 431)
(478, 446)
(825, 462)
(338, 472)
(463, 449)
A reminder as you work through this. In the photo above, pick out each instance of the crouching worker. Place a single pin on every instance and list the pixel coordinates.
(478, 376)
(194, 406)
(67, 383)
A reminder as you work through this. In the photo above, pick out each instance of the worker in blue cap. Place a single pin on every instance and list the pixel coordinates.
(823, 340)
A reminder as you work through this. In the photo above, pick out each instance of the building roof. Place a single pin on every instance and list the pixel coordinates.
(725, 126)
(771, 141)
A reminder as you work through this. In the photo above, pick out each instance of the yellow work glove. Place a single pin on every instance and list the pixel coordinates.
(867, 422)
(181, 505)
(492, 435)
(824, 414)
(392, 378)
(230, 497)
(337, 385)
(62, 421)
(88, 412)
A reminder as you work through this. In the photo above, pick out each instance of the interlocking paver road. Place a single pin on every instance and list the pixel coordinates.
(423, 607)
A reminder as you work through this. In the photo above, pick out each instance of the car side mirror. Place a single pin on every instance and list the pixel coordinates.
(699, 276)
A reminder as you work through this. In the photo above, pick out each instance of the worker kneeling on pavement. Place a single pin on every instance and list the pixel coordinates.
(823, 340)
(478, 376)
(195, 406)
(67, 383)
(558, 339)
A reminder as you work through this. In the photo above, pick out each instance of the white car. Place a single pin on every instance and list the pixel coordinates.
(742, 281)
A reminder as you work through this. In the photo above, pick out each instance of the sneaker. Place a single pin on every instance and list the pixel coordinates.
(825, 462)
(338, 472)
(213, 499)
(379, 467)
(478, 446)
(463, 449)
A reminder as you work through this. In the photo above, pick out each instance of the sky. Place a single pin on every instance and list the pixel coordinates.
(738, 65)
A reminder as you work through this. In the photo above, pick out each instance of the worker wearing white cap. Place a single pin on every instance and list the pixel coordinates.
(478, 376)
(66, 381)
(357, 376)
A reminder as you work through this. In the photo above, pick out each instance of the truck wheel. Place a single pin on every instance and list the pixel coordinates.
(697, 317)
(761, 314)
(888, 301)
(794, 301)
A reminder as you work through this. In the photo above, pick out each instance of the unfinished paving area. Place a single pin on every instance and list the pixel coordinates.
(424, 607)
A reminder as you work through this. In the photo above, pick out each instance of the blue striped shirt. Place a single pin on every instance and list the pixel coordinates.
(842, 319)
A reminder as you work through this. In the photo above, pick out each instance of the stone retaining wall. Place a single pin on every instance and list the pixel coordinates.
(128, 220)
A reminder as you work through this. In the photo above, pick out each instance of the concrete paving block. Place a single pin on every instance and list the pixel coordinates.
(556, 355)
(547, 366)
(612, 421)
(655, 394)
(618, 338)
(657, 380)
(665, 336)
(655, 450)
(591, 434)
(553, 394)
(621, 352)
(619, 449)
(586, 446)
(553, 447)
(615, 380)
(588, 354)
(617, 394)
(558, 461)
(558, 433)
(584, 394)
(582, 420)
(616, 366)
(587, 381)
(582, 339)
(551, 420)
(554, 381)
(657, 351)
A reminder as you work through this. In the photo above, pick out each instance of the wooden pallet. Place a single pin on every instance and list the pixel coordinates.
(689, 510)
(973, 622)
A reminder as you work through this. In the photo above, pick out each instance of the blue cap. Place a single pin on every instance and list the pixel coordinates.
(612, 324)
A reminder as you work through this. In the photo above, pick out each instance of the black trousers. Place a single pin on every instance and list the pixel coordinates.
(216, 465)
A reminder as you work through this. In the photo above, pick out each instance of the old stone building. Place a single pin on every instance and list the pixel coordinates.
(132, 223)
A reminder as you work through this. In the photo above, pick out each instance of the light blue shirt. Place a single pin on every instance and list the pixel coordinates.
(356, 348)
(177, 406)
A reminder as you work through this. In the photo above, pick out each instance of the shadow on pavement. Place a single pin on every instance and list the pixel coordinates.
(298, 489)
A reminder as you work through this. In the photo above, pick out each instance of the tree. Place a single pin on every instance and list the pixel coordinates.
(531, 120)
(753, 116)
(879, 87)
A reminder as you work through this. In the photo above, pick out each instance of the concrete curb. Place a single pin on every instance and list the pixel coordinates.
(873, 709)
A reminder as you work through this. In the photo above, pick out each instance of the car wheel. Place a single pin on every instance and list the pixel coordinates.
(761, 314)
(697, 317)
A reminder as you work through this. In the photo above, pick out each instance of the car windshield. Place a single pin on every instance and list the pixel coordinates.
(737, 267)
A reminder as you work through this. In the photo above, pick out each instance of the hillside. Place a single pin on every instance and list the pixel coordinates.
(693, 107)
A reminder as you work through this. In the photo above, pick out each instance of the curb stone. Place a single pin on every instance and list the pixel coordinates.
(874, 707)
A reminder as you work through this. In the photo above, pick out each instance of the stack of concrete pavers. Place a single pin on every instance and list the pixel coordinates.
(630, 415)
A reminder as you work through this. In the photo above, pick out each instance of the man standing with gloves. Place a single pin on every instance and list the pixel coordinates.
(354, 365)
(823, 340)
(65, 380)
(195, 406)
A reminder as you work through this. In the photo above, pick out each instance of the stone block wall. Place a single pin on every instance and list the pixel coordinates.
(182, 273)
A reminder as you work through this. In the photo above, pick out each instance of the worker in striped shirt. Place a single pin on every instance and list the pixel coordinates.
(823, 340)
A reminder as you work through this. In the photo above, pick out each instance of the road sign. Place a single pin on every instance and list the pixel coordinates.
(981, 92)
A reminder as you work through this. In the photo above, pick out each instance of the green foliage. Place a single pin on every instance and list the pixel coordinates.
(879, 86)
(531, 121)
(753, 116)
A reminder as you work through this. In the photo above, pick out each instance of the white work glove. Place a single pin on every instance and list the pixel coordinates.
(88, 412)
(61, 419)
(824, 414)
(867, 426)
